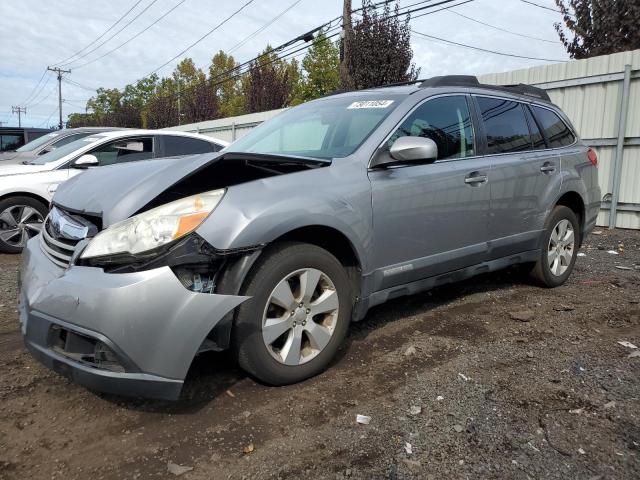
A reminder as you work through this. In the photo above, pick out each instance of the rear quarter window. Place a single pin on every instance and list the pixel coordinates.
(554, 129)
(175, 146)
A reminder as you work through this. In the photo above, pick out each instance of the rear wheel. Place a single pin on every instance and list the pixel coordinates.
(297, 317)
(21, 219)
(559, 250)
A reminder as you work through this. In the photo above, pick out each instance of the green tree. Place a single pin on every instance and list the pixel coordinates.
(321, 67)
(227, 86)
(599, 27)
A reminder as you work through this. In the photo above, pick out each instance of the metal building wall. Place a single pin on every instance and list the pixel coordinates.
(592, 93)
(229, 129)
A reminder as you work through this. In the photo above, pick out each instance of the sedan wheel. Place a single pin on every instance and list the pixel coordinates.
(19, 223)
(300, 316)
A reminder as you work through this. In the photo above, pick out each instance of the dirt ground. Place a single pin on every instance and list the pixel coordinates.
(490, 378)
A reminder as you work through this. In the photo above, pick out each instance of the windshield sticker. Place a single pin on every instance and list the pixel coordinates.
(370, 104)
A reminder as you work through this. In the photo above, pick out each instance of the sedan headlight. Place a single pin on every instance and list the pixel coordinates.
(154, 228)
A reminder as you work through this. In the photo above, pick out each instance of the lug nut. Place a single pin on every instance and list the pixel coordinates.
(308, 311)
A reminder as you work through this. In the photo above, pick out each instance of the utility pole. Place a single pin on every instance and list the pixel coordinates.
(179, 113)
(346, 35)
(59, 71)
(19, 111)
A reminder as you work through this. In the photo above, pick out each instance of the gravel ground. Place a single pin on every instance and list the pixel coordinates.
(490, 378)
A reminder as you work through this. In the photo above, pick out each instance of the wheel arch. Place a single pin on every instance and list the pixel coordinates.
(234, 277)
(32, 195)
(574, 201)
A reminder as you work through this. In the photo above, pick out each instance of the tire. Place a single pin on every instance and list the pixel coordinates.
(277, 363)
(20, 219)
(546, 271)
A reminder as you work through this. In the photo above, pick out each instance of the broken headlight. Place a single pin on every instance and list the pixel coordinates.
(154, 228)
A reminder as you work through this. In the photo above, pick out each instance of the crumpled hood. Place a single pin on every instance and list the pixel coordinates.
(117, 192)
(22, 169)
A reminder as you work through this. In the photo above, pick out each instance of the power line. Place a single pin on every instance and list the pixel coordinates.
(116, 33)
(33, 98)
(270, 22)
(73, 104)
(100, 36)
(502, 29)
(48, 118)
(283, 53)
(132, 38)
(545, 7)
(32, 105)
(203, 36)
(76, 84)
(441, 9)
(451, 42)
(34, 88)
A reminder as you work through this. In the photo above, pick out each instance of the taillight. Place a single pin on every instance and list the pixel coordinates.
(593, 158)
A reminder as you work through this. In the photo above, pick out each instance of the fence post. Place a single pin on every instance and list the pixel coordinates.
(623, 108)
(233, 131)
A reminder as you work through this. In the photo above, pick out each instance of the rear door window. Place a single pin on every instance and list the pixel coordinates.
(534, 130)
(505, 125)
(446, 121)
(555, 130)
(123, 151)
(177, 145)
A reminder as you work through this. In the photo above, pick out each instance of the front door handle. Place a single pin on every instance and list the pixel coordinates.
(548, 167)
(475, 179)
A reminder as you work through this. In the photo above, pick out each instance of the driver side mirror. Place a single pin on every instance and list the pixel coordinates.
(86, 161)
(409, 150)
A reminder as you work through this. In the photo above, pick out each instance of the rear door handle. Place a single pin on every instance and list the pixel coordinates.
(475, 178)
(548, 167)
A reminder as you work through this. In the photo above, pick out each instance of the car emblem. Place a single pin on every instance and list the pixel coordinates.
(63, 226)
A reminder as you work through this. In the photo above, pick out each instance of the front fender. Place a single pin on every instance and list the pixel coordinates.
(259, 212)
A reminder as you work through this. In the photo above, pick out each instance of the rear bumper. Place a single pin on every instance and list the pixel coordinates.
(147, 321)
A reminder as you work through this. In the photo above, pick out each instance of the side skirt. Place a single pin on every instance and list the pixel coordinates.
(428, 283)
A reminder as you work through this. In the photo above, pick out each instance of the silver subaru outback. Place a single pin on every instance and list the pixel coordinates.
(273, 246)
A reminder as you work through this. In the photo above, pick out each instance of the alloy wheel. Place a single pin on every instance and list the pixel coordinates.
(561, 247)
(300, 316)
(18, 224)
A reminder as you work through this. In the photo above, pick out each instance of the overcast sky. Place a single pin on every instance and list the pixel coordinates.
(37, 33)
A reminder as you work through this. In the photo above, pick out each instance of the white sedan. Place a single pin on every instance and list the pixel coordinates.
(26, 190)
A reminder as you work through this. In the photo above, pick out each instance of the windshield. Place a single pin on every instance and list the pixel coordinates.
(332, 127)
(65, 150)
(38, 142)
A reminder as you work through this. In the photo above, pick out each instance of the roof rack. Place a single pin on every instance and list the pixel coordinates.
(472, 81)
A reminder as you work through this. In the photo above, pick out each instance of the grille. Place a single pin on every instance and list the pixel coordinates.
(61, 233)
(58, 250)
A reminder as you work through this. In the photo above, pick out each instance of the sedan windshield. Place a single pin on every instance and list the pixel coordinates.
(332, 127)
(65, 150)
(38, 142)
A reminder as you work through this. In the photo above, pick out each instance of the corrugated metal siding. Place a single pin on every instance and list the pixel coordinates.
(228, 128)
(593, 109)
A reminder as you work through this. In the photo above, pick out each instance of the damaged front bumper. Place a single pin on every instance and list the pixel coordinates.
(132, 334)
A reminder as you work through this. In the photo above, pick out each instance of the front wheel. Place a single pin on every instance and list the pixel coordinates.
(298, 314)
(20, 219)
(559, 248)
